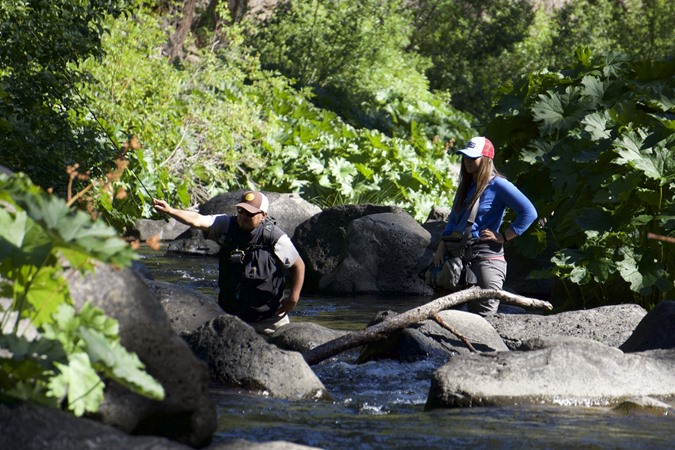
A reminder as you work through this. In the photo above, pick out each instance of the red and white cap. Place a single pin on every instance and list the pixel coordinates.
(477, 147)
(254, 202)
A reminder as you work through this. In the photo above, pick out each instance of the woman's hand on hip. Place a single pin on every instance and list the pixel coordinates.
(490, 235)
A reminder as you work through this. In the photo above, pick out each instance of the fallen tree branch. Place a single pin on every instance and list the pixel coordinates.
(381, 330)
(461, 337)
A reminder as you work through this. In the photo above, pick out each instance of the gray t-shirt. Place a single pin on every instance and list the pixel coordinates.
(283, 249)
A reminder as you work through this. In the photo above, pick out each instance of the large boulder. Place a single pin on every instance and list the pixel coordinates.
(303, 336)
(321, 239)
(431, 339)
(186, 308)
(610, 325)
(187, 414)
(27, 426)
(166, 230)
(557, 371)
(383, 254)
(240, 358)
(655, 330)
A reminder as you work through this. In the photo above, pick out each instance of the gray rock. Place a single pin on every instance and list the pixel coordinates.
(242, 444)
(28, 426)
(303, 336)
(610, 325)
(559, 371)
(240, 358)
(186, 308)
(321, 239)
(644, 405)
(384, 254)
(194, 245)
(187, 414)
(429, 339)
(655, 330)
(165, 230)
(439, 214)
(5, 171)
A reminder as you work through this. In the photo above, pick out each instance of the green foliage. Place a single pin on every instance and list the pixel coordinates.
(40, 41)
(74, 350)
(469, 43)
(311, 151)
(353, 55)
(220, 122)
(642, 29)
(602, 134)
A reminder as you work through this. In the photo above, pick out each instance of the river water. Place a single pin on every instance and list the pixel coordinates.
(380, 405)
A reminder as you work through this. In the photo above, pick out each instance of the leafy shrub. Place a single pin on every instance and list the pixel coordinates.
(470, 44)
(218, 122)
(40, 42)
(642, 29)
(74, 351)
(355, 57)
(601, 135)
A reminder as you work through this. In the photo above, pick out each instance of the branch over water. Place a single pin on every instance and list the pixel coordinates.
(381, 330)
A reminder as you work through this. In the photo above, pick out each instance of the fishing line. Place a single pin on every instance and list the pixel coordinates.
(112, 141)
(110, 138)
(75, 89)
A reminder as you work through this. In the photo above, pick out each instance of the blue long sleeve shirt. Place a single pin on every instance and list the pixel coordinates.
(498, 195)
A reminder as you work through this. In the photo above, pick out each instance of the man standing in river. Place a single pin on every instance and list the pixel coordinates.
(254, 256)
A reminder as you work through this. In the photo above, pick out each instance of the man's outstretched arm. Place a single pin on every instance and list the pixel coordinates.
(192, 218)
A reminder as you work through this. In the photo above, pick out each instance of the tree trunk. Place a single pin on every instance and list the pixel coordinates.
(175, 47)
(381, 330)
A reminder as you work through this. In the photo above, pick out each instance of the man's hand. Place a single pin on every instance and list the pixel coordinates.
(161, 205)
(288, 304)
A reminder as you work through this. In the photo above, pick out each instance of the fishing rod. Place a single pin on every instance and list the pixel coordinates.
(75, 89)
(111, 140)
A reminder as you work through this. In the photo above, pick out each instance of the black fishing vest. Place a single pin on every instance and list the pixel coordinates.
(251, 278)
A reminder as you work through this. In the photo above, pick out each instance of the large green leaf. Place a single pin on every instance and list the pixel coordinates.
(631, 150)
(79, 383)
(12, 229)
(559, 111)
(120, 365)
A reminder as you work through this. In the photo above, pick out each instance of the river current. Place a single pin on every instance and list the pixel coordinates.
(380, 405)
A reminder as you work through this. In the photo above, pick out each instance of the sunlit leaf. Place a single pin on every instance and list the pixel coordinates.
(596, 124)
(120, 365)
(629, 147)
(80, 382)
(12, 228)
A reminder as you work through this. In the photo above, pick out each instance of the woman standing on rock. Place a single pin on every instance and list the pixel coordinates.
(480, 182)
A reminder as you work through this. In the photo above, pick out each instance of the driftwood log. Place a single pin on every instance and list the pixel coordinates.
(381, 330)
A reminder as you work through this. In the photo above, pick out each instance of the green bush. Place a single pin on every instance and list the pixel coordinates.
(356, 58)
(601, 135)
(75, 351)
(40, 42)
(218, 122)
